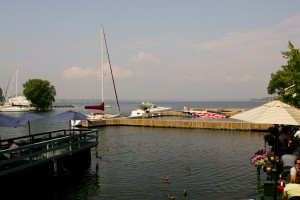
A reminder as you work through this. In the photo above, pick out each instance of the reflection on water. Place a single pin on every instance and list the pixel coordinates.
(134, 160)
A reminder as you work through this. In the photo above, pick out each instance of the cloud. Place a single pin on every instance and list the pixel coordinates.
(291, 21)
(245, 78)
(143, 57)
(76, 72)
(120, 73)
(263, 38)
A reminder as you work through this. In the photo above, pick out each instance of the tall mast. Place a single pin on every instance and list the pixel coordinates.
(17, 73)
(112, 76)
(102, 62)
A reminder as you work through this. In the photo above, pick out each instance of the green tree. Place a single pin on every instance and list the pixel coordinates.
(286, 82)
(40, 93)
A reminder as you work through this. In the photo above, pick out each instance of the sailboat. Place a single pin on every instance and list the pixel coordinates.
(96, 116)
(18, 102)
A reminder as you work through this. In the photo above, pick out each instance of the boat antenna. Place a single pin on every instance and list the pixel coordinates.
(111, 70)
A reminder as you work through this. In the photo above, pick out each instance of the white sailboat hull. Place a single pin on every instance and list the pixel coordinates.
(16, 109)
(95, 117)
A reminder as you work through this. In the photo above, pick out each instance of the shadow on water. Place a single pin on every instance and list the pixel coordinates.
(75, 184)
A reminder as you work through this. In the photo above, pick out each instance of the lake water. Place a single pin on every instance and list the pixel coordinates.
(134, 160)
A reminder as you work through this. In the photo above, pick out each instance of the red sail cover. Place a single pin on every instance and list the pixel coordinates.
(95, 107)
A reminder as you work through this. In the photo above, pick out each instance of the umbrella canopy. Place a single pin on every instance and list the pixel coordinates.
(9, 121)
(29, 116)
(274, 112)
(70, 115)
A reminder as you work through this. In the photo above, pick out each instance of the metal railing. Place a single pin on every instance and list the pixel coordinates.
(36, 149)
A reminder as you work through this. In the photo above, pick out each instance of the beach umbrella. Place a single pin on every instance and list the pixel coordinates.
(274, 112)
(9, 121)
(29, 116)
(70, 115)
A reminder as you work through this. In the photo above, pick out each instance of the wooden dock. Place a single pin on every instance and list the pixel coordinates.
(227, 111)
(151, 120)
(63, 106)
(47, 149)
(218, 125)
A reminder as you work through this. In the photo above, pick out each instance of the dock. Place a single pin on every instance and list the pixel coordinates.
(217, 125)
(63, 106)
(48, 150)
(156, 120)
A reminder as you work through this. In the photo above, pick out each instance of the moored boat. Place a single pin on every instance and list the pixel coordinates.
(147, 107)
(16, 108)
(100, 114)
(16, 102)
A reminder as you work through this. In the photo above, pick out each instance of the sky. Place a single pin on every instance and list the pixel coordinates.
(191, 50)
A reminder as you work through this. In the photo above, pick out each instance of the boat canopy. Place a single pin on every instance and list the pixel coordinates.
(95, 107)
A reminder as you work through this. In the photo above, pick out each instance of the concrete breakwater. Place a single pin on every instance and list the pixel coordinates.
(220, 125)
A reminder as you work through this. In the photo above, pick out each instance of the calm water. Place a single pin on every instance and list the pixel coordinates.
(133, 160)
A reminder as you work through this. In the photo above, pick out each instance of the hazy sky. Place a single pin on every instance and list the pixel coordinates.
(193, 50)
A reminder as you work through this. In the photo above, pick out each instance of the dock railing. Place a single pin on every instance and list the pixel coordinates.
(45, 147)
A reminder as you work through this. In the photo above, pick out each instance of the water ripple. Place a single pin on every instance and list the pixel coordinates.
(137, 159)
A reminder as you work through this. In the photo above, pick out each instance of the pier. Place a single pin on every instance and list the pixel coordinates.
(154, 120)
(227, 111)
(63, 106)
(47, 150)
(218, 125)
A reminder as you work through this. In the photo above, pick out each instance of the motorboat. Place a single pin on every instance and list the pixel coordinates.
(147, 107)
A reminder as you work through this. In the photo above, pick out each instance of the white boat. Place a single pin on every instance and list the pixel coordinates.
(96, 116)
(147, 107)
(16, 108)
(18, 102)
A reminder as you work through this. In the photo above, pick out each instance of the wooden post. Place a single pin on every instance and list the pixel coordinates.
(55, 167)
